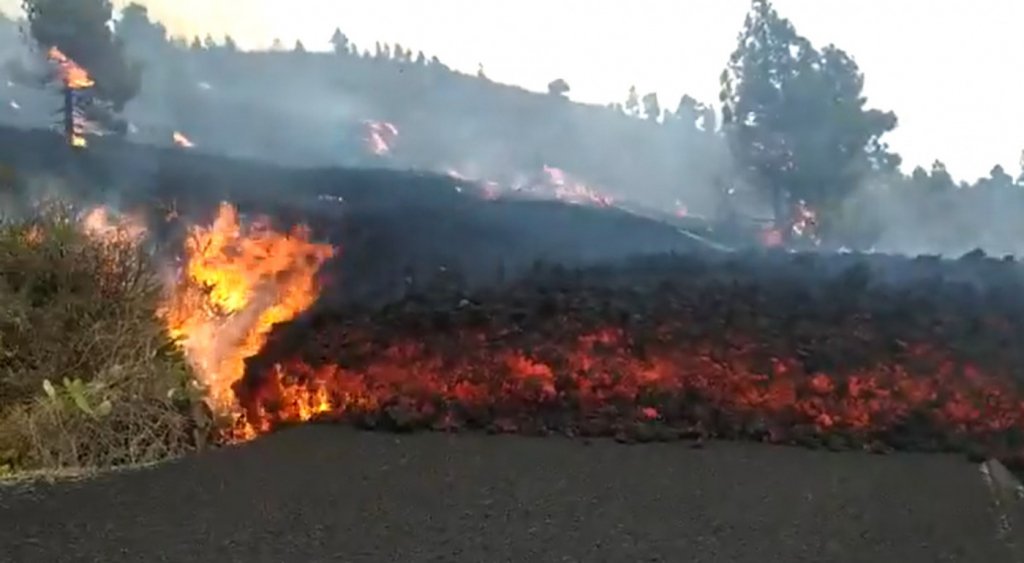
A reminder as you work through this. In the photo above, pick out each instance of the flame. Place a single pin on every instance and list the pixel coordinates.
(380, 136)
(553, 183)
(103, 224)
(34, 235)
(181, 140)
(805, 222)
(566, 188)
(238, 281)
(73, 76)
(487, 189)
(804, 225)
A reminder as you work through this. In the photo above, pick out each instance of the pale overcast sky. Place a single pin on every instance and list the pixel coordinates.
(951, 69)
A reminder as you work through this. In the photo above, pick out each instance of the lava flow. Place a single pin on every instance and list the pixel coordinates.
(237, 282)
(569, 364)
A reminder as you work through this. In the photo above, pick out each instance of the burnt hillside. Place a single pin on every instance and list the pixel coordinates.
(388, 223)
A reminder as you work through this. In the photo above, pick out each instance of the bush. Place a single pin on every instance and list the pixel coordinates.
(88, 375)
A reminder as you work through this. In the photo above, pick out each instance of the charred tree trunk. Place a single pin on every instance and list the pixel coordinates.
(69, 116)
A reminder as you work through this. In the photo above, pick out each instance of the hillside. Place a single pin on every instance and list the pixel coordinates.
(388, 222)
(310, 109)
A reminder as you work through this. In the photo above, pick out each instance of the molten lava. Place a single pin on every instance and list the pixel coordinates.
(688, 362)
(598, 372)
(237, 282)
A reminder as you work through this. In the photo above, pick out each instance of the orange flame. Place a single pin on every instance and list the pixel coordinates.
(182, 141)
(238, 282)
(571, 190)
(73, 76)
(804, 225)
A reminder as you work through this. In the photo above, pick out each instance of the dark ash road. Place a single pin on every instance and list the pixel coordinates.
(332, 494)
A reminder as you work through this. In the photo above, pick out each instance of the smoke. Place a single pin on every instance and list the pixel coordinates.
(309, 111)
(927, 213)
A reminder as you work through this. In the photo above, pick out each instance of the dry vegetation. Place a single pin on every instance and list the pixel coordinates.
(88, 375)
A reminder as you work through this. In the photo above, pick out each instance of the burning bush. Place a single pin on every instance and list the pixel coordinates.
(88, 373)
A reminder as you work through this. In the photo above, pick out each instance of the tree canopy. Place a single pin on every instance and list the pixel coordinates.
(82, 29)
(795, 116)
(558, 87)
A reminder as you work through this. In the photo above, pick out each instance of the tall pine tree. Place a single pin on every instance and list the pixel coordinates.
(795, 118)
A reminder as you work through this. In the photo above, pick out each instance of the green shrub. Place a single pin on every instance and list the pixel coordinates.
(88, 375)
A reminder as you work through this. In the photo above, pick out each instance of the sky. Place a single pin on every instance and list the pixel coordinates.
(951, 69)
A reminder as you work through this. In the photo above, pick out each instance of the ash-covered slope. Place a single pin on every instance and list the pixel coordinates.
(390, 225)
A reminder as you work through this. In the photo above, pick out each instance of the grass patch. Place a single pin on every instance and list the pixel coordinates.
(89, 377)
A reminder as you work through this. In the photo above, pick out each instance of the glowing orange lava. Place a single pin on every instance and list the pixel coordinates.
(567, 374)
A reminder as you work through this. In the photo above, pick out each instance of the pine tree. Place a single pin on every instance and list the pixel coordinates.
(340, 42)
(632, 102)
(795, 118)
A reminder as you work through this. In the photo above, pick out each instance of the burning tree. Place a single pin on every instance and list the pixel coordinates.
(795, 119)
(74, 79)
(81, 31)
